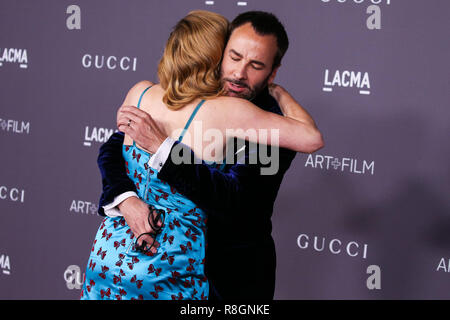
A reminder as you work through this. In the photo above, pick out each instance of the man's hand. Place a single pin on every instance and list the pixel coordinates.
(141, 127)
(135, 211)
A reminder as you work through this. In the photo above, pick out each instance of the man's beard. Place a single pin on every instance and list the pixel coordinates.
(248, 94)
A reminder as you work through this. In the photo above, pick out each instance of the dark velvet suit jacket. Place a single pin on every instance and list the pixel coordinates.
(240, 257)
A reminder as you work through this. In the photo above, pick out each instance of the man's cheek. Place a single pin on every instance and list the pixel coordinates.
(224, 70)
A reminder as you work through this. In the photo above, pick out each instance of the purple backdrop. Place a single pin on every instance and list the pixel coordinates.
(366, 217)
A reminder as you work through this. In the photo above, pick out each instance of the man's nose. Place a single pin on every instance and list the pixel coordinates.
(240, 73)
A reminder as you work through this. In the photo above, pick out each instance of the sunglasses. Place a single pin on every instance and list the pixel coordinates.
(155, 219)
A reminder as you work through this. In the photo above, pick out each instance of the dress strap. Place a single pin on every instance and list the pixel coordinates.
(139, 105)
(190, 120)
(142, 94)
(223, 165)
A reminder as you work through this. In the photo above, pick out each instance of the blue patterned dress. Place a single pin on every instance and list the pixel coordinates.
(177, 270)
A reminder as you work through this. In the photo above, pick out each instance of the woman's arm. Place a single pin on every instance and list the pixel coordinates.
(289, 106)
(296, 130)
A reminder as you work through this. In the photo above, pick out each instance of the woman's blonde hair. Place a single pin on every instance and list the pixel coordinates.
(190, 66)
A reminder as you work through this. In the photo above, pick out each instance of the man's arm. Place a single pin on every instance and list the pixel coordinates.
(116, 186)
(211, 189)
(112, 168)
(223, 193)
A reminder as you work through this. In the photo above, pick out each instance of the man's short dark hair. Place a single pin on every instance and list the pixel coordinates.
(265, 23)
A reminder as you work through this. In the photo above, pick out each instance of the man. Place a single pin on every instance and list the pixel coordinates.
(239, 200)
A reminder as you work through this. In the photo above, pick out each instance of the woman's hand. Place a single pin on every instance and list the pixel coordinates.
(276, 91)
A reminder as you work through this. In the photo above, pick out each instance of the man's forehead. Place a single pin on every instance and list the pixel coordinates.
(247, 31)
(245, 38)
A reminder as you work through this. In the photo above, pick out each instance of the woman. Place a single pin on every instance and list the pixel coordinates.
(122, 267)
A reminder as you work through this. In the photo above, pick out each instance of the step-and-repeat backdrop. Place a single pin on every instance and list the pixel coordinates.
(366, 217)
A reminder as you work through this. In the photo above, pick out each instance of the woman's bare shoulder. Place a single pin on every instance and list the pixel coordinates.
(227, 104)
(136, 90)
(139, 87)
(227, 99)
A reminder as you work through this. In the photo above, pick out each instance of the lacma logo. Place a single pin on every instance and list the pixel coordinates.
(347, 79)
(5, 264)
(95, 134)
(13, 55)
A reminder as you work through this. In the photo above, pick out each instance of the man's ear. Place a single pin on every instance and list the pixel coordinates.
(272, 75)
